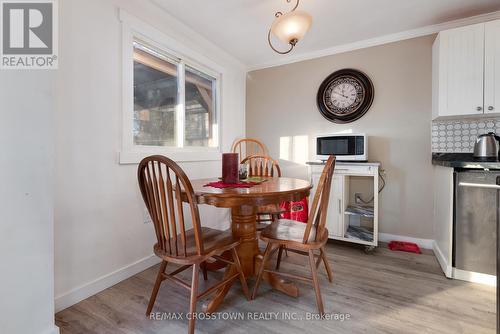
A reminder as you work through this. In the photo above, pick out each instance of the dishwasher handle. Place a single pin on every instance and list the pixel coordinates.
(479, 185)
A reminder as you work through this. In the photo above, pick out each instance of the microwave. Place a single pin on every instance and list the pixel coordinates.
(345, 146)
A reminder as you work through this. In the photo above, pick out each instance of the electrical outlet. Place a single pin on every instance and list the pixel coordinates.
(357, 198)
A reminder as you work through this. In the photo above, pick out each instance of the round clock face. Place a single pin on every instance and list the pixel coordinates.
(345, 96)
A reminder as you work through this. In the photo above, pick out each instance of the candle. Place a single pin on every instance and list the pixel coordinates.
(230, 164)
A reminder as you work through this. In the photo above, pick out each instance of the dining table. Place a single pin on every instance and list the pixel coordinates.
(244, 204)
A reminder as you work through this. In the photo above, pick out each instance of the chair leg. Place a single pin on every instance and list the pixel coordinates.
(280, 253)
(154, 293)
(261, 269)
(192, 300)
(204, 269)
(327, 265)
(319, 300)
(286, 252)
(319, 260)
(243, 280)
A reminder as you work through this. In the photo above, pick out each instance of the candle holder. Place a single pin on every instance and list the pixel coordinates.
(230, 164)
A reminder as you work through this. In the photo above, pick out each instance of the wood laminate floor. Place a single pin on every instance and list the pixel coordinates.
(387, 292)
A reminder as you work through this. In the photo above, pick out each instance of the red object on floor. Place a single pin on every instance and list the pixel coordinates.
(297, 210)
(221, 184)
(404, 246)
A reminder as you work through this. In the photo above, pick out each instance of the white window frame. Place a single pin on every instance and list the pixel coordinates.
(135, 30)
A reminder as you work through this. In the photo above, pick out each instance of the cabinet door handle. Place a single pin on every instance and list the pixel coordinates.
(479, 108)
(340, 206)
(490, 108)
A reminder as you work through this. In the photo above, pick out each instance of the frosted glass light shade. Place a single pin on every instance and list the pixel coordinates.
(291, 26)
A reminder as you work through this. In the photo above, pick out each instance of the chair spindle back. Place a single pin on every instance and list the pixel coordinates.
(318, 210)
(247, 147)
(163, 183)
(260, 165)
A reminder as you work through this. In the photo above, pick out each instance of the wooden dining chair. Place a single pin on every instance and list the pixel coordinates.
(164, 187)
(246, 147)
(302, 238)
(264, 166)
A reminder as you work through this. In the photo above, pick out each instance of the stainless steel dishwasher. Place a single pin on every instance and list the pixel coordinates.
(475, 221)
(477, 225)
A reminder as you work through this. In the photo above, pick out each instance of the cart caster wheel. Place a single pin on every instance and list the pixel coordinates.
(369, 249)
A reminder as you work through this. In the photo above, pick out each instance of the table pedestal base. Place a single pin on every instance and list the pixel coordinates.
(244, 226)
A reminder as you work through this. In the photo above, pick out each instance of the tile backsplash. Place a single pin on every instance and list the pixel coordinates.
(459, 136)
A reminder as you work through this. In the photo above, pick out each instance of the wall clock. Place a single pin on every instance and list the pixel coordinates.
(345, 96)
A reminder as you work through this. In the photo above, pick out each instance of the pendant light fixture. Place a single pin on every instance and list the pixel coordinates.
(289, 27)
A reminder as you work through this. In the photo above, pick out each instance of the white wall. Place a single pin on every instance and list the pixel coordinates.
(281, 102)
(26, 202)
(100, 236)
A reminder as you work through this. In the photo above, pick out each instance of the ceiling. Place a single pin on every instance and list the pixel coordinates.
(240, 26)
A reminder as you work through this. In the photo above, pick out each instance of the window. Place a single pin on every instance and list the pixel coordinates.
(200, 105)
(171, 97)
(174, 103)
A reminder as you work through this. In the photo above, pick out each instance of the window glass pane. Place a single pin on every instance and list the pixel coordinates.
(155, 98)
(200, 114)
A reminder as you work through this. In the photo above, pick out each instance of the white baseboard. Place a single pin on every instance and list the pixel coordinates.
(422, 243)
(82, 292)
(473, 277)
(443, 262)
(54, 330)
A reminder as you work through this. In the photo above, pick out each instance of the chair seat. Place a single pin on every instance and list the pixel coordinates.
(214, 241)
(291, 231)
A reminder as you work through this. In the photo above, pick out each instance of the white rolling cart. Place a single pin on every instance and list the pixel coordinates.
(354, 198)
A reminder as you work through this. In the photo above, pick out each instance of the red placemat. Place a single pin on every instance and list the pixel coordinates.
(221, 185)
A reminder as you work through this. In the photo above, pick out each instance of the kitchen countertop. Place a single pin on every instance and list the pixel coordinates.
(463, 160)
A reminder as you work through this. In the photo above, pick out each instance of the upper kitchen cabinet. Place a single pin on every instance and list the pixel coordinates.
(465, 70)
(492, 67)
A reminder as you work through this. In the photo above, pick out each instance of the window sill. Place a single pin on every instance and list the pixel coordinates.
(134, 157)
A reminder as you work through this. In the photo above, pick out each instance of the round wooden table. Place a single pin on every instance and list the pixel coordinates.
(243, 203)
